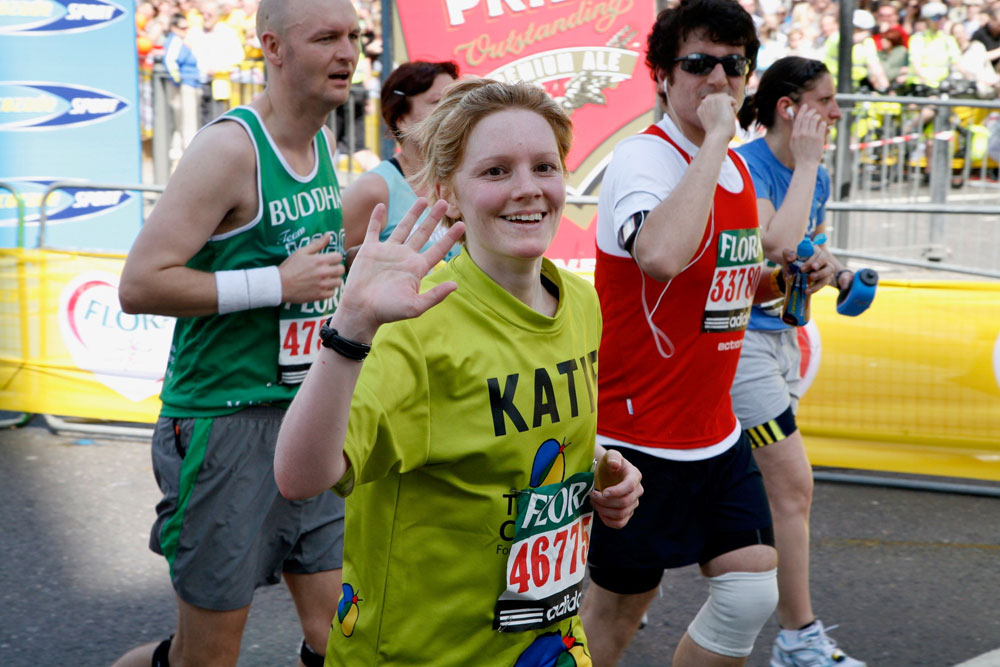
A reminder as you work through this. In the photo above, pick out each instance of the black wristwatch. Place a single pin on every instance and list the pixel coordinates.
(345, 347)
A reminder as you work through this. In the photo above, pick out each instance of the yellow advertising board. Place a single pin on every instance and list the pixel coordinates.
(67, 348)
(911, 385)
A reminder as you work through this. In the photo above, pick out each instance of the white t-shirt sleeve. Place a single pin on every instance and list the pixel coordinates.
(644, 170)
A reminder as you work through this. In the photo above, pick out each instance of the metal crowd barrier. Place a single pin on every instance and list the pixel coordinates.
(914, 193)
(19, 201)
(55, 423)
(22, 418)
(225, 91)
(87, 185)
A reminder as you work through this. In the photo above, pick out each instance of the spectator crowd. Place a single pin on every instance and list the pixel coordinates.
(899, 46)
(205, 44)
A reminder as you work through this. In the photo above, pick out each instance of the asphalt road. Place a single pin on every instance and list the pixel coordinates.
(911, 577)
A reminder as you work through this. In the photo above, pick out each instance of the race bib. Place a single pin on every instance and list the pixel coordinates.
(298, 338)
(548, 557)
(737, 271)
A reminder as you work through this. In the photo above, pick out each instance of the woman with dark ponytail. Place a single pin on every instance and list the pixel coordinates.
(795, 104)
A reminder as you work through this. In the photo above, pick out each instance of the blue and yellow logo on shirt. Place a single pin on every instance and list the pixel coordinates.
(549, 466)
(347, 610)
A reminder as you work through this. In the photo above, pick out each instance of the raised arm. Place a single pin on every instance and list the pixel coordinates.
(787, 226)
(212, 191)
(384, 287)
(670, 234)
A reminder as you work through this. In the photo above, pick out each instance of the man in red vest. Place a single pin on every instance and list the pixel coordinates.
(679, 261)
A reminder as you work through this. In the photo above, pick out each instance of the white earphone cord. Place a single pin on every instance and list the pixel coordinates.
(658, 333)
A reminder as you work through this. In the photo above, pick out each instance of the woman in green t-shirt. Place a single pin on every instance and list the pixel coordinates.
(466, 441)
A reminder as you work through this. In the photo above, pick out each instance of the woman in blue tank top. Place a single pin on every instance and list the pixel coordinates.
(409, 94)
(796, 103)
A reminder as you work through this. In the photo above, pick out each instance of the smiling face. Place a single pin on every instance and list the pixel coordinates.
(686, 91)
(508, 189)
(321, 40)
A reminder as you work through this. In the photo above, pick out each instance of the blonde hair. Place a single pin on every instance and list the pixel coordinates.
(444, 134)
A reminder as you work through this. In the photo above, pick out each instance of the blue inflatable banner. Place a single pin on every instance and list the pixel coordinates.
(69, 110)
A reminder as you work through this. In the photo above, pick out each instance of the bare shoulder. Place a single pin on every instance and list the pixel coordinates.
(222, 149)
(215, 183)
(359, 200)
(370, 189)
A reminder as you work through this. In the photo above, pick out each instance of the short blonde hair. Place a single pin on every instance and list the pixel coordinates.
(444, 134)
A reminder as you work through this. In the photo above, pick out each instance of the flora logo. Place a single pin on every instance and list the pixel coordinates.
(63, 205)
(127, 353)
(44, 17)
(40, 105)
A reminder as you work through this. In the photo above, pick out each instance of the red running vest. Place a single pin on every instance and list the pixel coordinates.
(680, 402)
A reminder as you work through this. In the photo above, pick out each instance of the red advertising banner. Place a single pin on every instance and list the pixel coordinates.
(589, 55)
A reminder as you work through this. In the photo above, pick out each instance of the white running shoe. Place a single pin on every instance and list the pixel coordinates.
(812, 648)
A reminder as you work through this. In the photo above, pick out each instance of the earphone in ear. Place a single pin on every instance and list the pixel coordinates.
(665, 87)
(791, 113)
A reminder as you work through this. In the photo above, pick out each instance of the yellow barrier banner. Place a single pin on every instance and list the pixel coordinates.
(67, 348)
(912, 384)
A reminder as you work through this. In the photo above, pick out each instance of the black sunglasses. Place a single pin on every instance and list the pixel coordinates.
(700, 64)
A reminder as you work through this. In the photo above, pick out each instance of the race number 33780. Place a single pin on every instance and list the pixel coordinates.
(734, 286)
(737, 271)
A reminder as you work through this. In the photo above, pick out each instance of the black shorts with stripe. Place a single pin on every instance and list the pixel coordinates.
(690, 512)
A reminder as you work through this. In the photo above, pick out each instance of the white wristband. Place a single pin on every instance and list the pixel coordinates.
(248, 288)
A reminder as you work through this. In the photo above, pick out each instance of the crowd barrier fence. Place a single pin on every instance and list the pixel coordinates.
(901, 179)
(227, 90)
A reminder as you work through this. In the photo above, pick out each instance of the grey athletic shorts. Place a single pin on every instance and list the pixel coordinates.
(222, 525)
(767, 377)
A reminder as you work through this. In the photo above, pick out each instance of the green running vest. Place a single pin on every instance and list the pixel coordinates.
(220, 364)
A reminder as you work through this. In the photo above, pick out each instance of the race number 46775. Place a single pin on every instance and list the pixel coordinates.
(551, 557)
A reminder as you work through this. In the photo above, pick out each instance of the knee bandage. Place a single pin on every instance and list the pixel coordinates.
(738, 605)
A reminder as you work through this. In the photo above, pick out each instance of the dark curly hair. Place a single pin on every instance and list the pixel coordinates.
(722, 21)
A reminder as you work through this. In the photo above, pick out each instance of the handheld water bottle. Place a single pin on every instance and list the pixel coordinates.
(859, 294)
(796, 308)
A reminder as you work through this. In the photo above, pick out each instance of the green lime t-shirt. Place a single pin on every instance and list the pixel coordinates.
(478, 411)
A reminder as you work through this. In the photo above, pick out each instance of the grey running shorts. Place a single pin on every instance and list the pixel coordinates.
(767, 377)
(221, 524)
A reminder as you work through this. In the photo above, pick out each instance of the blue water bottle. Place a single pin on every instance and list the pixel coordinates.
(796, 308)
(859, 294)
